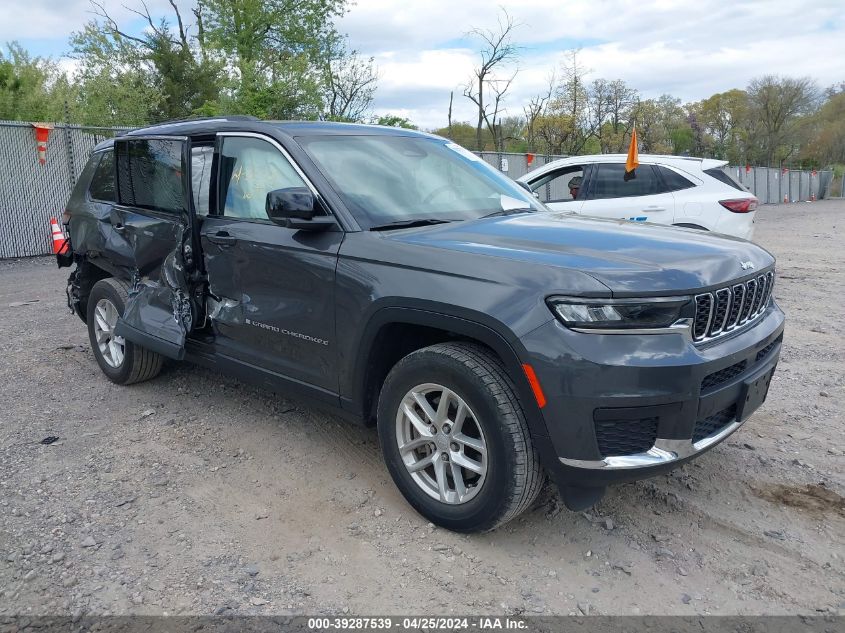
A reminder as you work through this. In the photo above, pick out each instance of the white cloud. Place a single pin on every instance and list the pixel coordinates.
(54, 20)
(688, 49)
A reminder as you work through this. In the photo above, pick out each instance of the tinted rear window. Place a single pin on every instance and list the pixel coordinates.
(102, 182)
(672, 180)
(149, 174)
(721, 176)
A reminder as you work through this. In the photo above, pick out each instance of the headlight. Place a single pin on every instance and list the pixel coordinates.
(616, 314)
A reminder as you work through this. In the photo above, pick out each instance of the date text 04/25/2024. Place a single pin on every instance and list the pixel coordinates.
(483, 623)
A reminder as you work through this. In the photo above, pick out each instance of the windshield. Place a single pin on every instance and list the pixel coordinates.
(394, 179)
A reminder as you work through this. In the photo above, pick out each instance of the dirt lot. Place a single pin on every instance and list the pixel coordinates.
(194, 494)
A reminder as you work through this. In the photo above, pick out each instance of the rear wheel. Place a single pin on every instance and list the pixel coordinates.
(122, 361)
(455, 439)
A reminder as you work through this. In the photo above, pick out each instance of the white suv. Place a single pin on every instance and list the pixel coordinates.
(689, 192)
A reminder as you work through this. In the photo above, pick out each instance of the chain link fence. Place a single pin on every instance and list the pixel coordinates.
(32, 193)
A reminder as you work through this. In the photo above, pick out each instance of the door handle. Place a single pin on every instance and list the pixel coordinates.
(222, 237)
(654, 209)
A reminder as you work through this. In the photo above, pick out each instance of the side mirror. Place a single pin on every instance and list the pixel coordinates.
(294, 207)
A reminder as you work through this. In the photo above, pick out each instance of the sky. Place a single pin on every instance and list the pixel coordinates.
(423, 51)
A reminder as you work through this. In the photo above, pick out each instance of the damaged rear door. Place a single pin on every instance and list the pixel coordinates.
(155, 214)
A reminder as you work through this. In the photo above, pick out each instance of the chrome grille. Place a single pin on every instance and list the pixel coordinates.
(725, 309)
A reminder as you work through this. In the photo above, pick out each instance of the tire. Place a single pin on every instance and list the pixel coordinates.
(505, 479)
(137, 363)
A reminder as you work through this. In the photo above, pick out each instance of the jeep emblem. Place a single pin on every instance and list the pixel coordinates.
(746, 265)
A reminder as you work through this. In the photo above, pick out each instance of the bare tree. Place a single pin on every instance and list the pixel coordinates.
(598, 107)
(160, 32)
(620, 101)
(497, 49)
(498, 87)
(451, 97)
(572, 91)
(535, 109)
(564, 126)
(350, 86)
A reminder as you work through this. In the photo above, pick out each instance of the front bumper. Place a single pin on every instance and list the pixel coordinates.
(661, 453)
(626, 407)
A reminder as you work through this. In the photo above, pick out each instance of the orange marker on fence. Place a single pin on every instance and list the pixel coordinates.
(42, 133)
(60, 245)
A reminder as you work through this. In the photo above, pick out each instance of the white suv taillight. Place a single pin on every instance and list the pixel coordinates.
(740, 205)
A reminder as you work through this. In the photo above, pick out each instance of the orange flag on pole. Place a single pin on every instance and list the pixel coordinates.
(633, 160)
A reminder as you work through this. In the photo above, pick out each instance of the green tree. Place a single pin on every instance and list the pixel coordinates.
(31, 88)
(778, 107)
(278, 51)
(724, 119)
(557, 133)
(662, 126)
(610, 106)
(393, 120)
(269, 58)
(464, 134)
(163, 74)
(826, 138)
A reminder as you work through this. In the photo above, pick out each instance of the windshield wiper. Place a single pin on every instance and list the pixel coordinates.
(509, 212)
(406, 224)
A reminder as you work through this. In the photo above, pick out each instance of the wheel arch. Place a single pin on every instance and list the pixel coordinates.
(80, 283)
(393, 332)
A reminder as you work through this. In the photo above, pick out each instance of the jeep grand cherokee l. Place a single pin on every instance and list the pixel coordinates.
(395, 278)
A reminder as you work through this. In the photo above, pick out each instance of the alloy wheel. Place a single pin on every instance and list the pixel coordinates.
(112, 348)
(441, 443)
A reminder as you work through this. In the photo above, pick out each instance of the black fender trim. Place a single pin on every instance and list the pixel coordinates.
(463, 327)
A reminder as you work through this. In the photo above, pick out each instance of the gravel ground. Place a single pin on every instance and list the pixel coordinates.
(195, 494)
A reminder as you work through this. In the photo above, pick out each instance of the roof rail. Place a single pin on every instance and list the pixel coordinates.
(224, 117)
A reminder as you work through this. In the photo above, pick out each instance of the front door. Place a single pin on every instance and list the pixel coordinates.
(271, 288)
(155, 220)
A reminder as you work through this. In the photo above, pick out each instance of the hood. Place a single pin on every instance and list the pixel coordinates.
(630, 258)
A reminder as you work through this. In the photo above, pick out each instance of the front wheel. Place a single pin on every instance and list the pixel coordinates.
(455, 439)
(122, 361)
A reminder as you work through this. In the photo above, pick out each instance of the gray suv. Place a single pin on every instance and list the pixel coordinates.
(398, 280)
